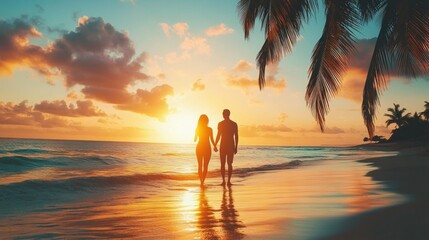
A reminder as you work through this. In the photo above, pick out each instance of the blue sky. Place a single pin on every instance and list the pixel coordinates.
(276, 116)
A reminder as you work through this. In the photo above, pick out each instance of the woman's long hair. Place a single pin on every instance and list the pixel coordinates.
(203, 122)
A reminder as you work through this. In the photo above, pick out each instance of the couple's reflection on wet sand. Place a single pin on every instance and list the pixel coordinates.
(206, 218)
(229, 225)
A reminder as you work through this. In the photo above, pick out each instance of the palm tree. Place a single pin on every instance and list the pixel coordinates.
(402, 42)
(425, 113)
(396, 116)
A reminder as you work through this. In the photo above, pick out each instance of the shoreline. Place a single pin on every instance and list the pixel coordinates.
(321, 198)
(406, 173)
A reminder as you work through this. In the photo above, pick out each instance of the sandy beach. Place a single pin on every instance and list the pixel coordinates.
(407, 174)
(315, 200)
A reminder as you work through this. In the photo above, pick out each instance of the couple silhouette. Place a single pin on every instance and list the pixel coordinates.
(227, 133)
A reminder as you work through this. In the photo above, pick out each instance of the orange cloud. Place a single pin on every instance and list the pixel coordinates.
(236, 78)
(247, 83)
(23, 114)
(180, 29)
(60, 108)
(263, 130)
(328, 130)
(95, 56)
(382, 130)
(165, 28)
(195, 44)
(352, 85)
(243, 66)
(198, 86)
(152, 103)
(189, 45)
(220, 29)
(15, 48)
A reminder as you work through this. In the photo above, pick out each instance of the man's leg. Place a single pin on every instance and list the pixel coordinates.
(230, 159)
(222, 165)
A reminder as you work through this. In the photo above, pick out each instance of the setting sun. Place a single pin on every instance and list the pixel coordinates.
(179, 128)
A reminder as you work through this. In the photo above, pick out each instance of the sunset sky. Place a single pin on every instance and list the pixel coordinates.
(146, 70)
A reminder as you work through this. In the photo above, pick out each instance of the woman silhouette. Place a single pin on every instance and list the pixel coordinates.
(205, 135)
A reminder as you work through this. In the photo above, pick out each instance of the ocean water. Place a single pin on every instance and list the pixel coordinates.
(42, 181)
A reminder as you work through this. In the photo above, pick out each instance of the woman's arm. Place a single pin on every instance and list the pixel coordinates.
(211, 137)
(212, 140)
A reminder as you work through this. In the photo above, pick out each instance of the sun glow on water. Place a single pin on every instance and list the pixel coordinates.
(188, 207)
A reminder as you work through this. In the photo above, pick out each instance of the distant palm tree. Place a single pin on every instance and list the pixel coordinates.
(402, 42)
(396, 116)
(425, 113)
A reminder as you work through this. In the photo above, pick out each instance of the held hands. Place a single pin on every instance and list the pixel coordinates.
(215, 148)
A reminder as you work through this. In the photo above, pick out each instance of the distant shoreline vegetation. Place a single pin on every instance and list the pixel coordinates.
(408, 127)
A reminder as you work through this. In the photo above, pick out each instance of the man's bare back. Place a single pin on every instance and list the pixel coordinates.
(228, 133)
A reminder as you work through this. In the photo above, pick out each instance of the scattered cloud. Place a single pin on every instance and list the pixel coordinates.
(328, 130)
(190, 45)
(267, 130)
(60, 108)
(180, 29)
(73, 95)
(238, 77)
(15, 46)
(198, 86)
(23, 114)
(282, 117)
(218, 30)
(382, 130)
(195, 44)
(263, 130)
(165, 28)
(246, 83)
(352, 85)
(152, 103)
(161, 76)
(95, 56)
(243, 66)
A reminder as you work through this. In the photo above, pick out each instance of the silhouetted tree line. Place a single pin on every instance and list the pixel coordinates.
(408, 126)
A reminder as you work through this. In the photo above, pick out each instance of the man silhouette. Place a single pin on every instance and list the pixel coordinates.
(227, 131)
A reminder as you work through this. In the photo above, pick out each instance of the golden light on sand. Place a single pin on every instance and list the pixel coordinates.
(188, 208)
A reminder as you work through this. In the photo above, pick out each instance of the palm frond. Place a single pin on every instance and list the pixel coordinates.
(378, 68)
(250, 10)
(389, 122)
(409, 37)
(368, 8)
(281, 20)
(402, 43)
(330, 55)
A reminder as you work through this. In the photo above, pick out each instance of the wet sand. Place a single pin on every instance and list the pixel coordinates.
(406, 173)
(313, 201)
